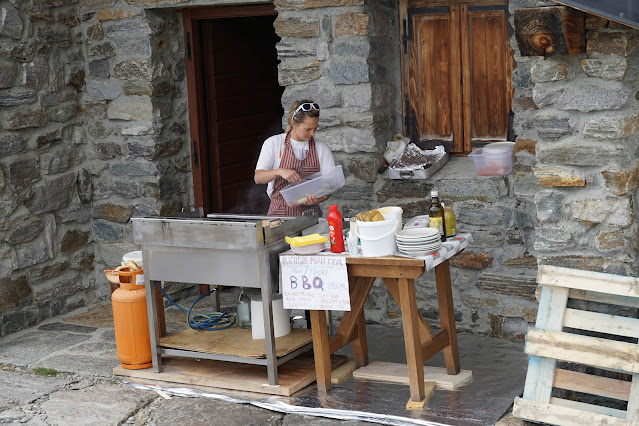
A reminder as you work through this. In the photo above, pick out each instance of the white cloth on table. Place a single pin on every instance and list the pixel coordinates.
(273, 149)
(450, 248)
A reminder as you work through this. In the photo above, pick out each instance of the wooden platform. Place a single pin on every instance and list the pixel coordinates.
(235, 341)
(294, 375)
(398, 373)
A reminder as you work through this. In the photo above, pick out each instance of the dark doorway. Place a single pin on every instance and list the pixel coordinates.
(239, 105)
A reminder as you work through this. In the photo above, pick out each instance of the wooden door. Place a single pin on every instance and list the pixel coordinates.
(234, 103)
(456, 73)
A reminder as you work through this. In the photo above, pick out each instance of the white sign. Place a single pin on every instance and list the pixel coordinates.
(315, 283)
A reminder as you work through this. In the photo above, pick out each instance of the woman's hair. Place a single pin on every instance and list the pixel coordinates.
(301, 114)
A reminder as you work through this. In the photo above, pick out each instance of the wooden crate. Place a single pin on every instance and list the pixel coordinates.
(554, 339)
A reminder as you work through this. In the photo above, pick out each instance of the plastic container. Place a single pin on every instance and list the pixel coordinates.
(281, 317)
(495, 161)
(377, 238)
(318, 184)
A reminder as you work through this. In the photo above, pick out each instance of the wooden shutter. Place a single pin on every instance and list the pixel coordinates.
(456, 73)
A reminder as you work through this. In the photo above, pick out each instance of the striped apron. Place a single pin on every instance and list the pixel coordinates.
(304, 168)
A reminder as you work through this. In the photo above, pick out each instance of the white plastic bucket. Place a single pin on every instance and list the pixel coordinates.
(377, 238)
(393, 212)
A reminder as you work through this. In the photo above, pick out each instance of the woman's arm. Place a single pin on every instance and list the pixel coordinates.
(266, 176)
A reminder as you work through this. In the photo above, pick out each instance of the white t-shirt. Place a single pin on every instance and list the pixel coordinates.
(273, 149)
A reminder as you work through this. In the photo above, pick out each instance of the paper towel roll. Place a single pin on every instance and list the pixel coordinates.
(281, 317)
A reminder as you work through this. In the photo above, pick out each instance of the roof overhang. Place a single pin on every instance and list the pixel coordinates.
(623, 11)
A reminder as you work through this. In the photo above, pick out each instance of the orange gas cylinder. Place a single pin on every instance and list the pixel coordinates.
(131, 322)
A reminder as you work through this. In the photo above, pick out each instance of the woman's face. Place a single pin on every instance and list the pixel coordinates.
(305, 130)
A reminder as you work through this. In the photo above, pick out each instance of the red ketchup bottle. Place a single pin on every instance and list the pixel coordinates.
(336, 235)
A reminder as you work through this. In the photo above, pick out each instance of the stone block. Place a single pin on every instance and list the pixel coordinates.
(580, 96)
(364, 168)
(22, 173)
(112, 212)
(352, 49)
(53, 33)
(163, 89)
(594, 22)
(115, 14)
(296, 27)
(525, 261)
(63, 112)
(43, 273)
(552, 238)
(324, 93)
(12, 143)
(80, 215)
(472, 260)
(313, 4)
(611, 68)
(349, 140)
(13, 98)
(292, 76)
(620, 182)
(24, 118)
(482, 214)
(521, 77)
(139, 130)
(581, 155)
(526, 103)
(588, 263)
(549, 206)
(14, 292)
(348, 72)
(134, 69)
(25, 232)
(83, 261)
(97, 130)
(1, 179)
(32, 253)
(611, 126)
(84, 185)
(610, 240)
(543, 71)
(103, 90)
(552, 126)
(137, 88)
(11, 24)
(105, 49)
(620, 43)
(35, 73)
(52, 195)
(8, 73)
(134, 169)
(610, 210)
(131, 108)
(77, 79)
(522, 286)
(558, 177)
(94, 33)
(479, 302)
(483, 239)
(403, 189)
(297, 48)
(126, 28)
(73, 240)
(60, 160)
(352, 24)
(107, 232)
(70, 20)
(100, 68)
(415, 208)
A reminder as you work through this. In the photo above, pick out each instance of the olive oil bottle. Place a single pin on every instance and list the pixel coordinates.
(436, 214)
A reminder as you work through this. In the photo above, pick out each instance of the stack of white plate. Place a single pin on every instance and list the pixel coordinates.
(418, 241)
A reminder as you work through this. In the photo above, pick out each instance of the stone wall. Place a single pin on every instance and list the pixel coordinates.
(46, 244)
(579, 114)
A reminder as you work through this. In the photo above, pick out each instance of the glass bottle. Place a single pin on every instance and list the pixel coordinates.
(244, 310)
(436, 215)
(449, 219)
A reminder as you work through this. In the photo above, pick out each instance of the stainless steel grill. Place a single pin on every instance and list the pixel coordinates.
(230, 250)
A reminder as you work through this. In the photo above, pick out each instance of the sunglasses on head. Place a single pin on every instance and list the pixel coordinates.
(306, 107)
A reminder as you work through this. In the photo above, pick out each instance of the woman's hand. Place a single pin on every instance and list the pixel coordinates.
(312, 200)
(289, 175)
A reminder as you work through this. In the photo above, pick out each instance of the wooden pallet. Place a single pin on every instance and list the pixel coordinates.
(550, 342)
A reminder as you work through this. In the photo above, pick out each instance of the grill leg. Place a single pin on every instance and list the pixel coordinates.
(267, 309)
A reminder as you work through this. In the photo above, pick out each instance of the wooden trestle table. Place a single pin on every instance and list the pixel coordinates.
(399, 275)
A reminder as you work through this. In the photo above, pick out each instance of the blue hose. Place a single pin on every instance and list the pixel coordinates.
(210, 322)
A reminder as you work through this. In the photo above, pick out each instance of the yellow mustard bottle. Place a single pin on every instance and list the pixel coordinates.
(449, 220)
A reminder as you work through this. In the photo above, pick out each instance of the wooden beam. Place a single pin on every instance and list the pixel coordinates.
(321, 350)
(590, 408)
(433, 347)
(602, 323)
(545, 31)
(559, 415)
(587, 280)
(593, 351)
(447, 316)
(589, 383)
(425, 332)
(411, 338)
(594, 296)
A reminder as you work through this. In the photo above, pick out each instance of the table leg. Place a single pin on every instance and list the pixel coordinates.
(159, 306)
(360, 345)
(410, 319)
(267, 311)
(154, 332)
(447, 316)
(321, 350)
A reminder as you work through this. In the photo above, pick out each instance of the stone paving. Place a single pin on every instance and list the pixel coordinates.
(80, 350)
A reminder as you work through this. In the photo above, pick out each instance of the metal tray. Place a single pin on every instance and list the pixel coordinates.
(418, 174)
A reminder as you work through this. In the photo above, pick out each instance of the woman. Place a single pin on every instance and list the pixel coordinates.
(292, 156)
